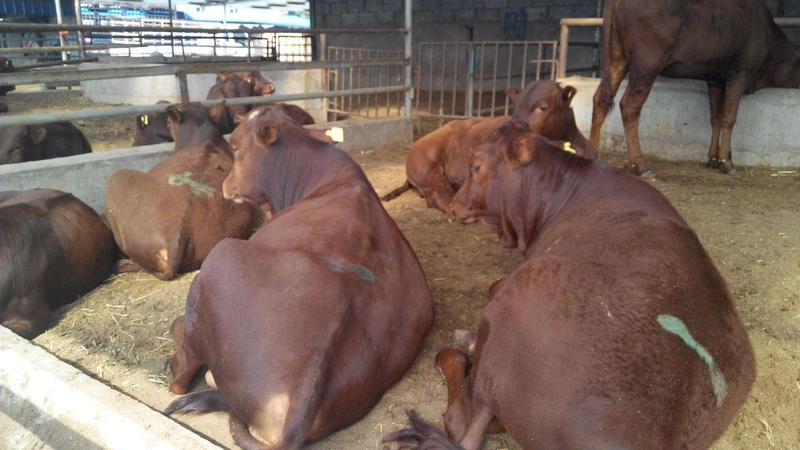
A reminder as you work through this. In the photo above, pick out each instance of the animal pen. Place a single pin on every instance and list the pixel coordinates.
(128, 318)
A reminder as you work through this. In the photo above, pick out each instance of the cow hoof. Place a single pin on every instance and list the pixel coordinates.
(727, 168)
(712, 163)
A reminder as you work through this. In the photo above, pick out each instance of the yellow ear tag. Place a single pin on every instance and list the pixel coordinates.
(568, 147)
(145, 120)
(336, 134)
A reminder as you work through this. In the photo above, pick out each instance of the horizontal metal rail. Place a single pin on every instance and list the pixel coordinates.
(157, 70)
(567, 22)
(31, 27)
(55, 63)
(69, 48)
(97, 113)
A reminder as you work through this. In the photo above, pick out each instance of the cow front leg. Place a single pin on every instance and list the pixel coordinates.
(734, 90)
(715, 96)
(639, 86)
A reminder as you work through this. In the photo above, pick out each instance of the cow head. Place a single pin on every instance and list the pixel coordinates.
(234, 86)
(151, 129)
(190, 122)
(251, 142)
(16, 142)
(544, 106)
(259, 84)
(782, 69)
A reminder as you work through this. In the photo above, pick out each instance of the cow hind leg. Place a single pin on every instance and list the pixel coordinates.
(715, 95)
(614, 70)
(27, 316)
(183, 364)
(639, 86)
(734, 90)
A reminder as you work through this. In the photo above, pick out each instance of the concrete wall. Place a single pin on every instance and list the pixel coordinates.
(675, 123)
(86, 176)
(149, 90)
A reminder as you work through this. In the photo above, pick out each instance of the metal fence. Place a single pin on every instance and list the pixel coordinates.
(375, 105)
(469, 79)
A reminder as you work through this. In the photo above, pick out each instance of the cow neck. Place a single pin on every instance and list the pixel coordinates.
(299, 165)
(206, 133)
(541, 191)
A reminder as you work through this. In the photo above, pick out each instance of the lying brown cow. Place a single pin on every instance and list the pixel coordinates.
(438, 163)
(167, 220)
(53, 249)
(237, 85)
(735, 47)
(307, 324)
(616, 331)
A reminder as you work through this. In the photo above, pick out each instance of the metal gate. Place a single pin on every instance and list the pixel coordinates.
(366, 105)
(469, 79)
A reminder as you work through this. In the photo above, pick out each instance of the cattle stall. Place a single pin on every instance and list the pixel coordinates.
(119, 333)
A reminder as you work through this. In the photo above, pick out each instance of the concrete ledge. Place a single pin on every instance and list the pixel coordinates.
(46, 403)
(86, 176)
(675, 123)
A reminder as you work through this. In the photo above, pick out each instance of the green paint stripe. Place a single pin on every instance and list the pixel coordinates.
(362, 272)
(185, 179)
(676, 326)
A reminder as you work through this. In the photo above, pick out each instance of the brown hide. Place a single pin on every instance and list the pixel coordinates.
(237, 85)
(436, 166)
(616, 330)
(735, 46)
(167, 220)
(308, 323)
(53, 248)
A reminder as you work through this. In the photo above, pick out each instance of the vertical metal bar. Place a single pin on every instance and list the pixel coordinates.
(420, 49)
(430, 79)
(350, 98)
(79, 21)
(563, 46)
(494, 76)
(407, 79)
(184, 86)
(444, 75)
(480, 79)
(539, 63)
(323, 56)
(455, 78)
(60, 21)
(249, 44)
(524, 65)
(470, 89)
(553, 65)
(508, 74)
(171, 35)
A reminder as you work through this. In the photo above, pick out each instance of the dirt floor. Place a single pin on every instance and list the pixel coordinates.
(750, 224)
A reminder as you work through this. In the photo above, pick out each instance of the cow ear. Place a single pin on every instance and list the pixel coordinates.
(37, 133)
(267, 133)
(512, 93)
(569, 94)
(175, 114)
(520, 150)
(142, 121)
(222, 76)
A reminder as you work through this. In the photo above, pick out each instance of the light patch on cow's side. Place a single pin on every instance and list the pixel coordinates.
(363, 272)
(255, 113)
(272, 418)
(676, 326)
(185, 179)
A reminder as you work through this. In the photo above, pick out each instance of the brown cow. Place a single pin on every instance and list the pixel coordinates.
(239, 84)
(152, 128)
(53, 249)
(616, 330)
(307, 324)
(734, 46)
(438, 163)
(167, 220)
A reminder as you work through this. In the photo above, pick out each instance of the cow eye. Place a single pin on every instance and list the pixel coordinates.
(475, 168)
(543, 107)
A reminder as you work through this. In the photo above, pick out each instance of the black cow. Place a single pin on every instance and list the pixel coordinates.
(21, 143)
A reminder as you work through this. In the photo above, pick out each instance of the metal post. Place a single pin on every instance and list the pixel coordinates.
(563, 46)
(407, 80)
(171, 33)
(323, 56)
(183, 86)
(470, 80)
(60, 20)
(79, 21)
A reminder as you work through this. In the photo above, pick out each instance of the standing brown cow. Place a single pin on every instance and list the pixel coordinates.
(304, 326)
(734, 46)
(616, 330)
(438, 163)
(53, 248)
(237, 85)
(167, 220)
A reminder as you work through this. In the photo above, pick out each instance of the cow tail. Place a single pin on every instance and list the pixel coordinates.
(397, 192)
(241, 434)
(421, 434)
(198, 403)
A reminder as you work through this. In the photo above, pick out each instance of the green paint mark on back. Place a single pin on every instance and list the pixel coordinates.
(676, 326)
(362, 272)
(185, 179)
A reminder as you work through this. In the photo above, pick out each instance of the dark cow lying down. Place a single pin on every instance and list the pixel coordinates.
(167, 220)
(734, 46)
(307, 324)
(616, 331)
(53, 248)
(21, 143)
(438, 163)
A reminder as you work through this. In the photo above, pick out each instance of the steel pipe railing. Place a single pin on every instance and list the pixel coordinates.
(97, 113)
(36, 27)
